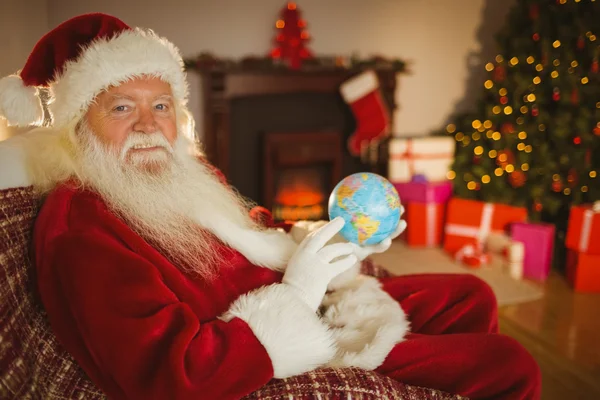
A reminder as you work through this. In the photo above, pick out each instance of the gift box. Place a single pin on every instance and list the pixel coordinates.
(539, 246)
(428, 156)
(471, 221)
(424, 192)
(583, 233)
(512, 252)
(425, 224)
(583, 271)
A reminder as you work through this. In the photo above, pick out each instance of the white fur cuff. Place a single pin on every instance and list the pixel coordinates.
(295, 338)
(367, 323)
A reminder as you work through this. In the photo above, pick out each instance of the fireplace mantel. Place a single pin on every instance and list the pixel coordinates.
(221, 87)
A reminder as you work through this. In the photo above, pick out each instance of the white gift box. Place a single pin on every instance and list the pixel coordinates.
(428, 156)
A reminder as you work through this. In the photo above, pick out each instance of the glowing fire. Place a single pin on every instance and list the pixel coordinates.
(299, 196)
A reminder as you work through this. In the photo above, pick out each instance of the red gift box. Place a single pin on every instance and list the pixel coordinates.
(471, 221)
(583, 271)
(425, 223)
(583, 234)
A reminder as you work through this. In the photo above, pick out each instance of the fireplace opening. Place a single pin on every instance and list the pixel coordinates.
(300, 193)
(299, 172)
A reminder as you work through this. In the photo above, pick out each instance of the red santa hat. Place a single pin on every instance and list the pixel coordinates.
(79, 59)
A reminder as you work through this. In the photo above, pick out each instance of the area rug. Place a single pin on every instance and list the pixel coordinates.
(403, 260)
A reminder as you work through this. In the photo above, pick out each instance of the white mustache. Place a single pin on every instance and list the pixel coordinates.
(138, 140)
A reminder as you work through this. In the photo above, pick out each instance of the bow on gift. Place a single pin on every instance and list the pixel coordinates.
(586, 228)
(472, 255)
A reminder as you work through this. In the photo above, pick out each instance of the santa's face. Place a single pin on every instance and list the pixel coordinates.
(136, 120)
(129, 151)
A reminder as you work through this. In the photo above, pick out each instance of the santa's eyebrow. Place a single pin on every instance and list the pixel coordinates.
(164, 96)
(114, 97)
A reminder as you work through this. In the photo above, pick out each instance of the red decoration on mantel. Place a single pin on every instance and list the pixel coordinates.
(291, 38)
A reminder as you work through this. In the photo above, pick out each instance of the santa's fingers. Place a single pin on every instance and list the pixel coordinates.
(381, 246)
(333, 251)
(337, 267)
(319, 238)
(402, 210)
(401, 227)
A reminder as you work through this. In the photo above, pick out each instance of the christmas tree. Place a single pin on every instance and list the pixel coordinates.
(534, 139)
(291, 38)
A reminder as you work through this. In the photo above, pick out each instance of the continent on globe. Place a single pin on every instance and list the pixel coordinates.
(365, 226)
(369, 204)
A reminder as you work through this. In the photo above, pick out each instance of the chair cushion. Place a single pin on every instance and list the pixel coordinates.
(32, 362)
(33, 365)
(346, 383)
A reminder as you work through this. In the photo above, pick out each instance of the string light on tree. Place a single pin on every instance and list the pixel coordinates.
(517, 179)
(541, 100)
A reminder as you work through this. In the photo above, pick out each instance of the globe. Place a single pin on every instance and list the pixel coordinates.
(369, 204)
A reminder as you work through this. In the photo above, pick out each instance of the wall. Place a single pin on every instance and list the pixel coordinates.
(447, 41)
(22, 23)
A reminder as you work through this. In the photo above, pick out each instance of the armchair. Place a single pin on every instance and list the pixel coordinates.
(33, 365)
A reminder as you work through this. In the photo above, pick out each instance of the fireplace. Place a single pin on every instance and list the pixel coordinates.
(299, 171)
(280, 136)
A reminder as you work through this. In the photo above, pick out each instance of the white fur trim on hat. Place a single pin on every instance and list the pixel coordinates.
(294, 337)
(20, 104)
(110, 62)
(359, 86)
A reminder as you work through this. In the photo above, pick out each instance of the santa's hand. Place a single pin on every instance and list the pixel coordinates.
(363, 252)
(314, 264)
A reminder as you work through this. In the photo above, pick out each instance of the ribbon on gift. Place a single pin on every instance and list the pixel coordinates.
(431, 224)
(409, 156)
(586, 227)
(472, 255)
(480, 233)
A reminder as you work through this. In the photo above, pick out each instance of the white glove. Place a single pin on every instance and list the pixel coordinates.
(363, 252)
(312, 266)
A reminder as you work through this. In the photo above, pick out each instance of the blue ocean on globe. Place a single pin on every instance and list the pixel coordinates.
(369, 204)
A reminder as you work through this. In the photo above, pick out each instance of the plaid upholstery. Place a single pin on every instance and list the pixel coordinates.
(368, 267)
(33, 365)
(347, 383)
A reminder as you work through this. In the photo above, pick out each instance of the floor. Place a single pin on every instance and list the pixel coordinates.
(562, 331)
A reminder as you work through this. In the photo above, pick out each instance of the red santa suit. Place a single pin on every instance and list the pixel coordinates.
(143, 329)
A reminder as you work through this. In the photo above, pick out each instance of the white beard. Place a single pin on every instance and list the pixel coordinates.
(176, 203)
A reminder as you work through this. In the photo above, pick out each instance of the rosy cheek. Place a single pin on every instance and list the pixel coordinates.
(170, 130)
(118, 132)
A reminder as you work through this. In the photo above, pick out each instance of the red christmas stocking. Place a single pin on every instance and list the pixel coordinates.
(372, 117)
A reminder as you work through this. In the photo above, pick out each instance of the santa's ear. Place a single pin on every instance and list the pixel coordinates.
(20, 105)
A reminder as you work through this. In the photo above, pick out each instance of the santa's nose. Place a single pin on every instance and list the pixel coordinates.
(145, 122)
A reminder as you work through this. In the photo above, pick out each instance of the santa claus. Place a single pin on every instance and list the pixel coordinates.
(161, 286)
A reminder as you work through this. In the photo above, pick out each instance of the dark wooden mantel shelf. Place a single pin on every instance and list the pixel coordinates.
(221, 87)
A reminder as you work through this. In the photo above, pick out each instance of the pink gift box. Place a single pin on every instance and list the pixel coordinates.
(424, 192)
(538, 239)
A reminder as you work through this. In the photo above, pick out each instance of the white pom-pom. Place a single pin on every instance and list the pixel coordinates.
(19, 104)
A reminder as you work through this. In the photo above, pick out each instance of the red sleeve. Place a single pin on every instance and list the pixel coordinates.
(137, 340)
(140, 341)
